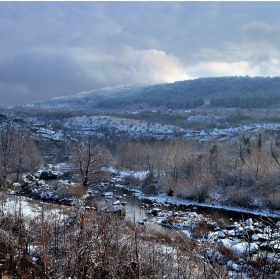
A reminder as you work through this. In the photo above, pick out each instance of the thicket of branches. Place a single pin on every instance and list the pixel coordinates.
(74, 243)
(89, 158)
(18, 152)
(243, 171)
(71, 242)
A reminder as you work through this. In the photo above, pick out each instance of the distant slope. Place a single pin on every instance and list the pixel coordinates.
(240, 92)
(90, 99)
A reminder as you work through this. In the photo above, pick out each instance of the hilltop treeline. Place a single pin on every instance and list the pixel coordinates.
(231, 92)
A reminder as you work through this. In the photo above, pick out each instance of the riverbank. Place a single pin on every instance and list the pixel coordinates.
(163, 198)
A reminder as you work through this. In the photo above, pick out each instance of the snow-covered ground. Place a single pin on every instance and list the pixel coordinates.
(100, 125)
(134, 128)
(85, 98)
(23, 206)
(230, 132)
(185, 222)
(49, 133)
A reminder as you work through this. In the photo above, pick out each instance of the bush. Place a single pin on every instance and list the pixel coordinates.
(167, 184)
(271, 198)
(70, 190)
(149, 179)
(91, 244)
(241, 197)
(131, 180)
(149, 190)
(198, 192)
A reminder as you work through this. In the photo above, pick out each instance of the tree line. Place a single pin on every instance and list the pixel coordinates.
(238, 92)
(243, 171)
(230, 92)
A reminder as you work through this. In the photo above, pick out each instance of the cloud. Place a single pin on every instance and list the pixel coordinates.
(10, 93)
(237, 60)
(257, 65)
(157, 66)
(261, 31)
(153, 65)
(219, 68)
(131, 65)
(35, 76)
(51, 49)
(42, 73)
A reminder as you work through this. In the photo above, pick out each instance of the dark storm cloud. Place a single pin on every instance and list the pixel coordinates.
(41, 77)
(51, 49)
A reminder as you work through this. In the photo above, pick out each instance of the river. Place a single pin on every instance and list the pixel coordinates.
(138, 209)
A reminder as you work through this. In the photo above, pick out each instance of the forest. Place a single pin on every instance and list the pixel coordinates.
(229, 92)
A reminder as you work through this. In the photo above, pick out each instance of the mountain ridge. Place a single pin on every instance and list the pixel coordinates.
(234, 91)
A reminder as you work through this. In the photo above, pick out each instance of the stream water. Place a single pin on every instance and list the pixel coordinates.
(135, 210)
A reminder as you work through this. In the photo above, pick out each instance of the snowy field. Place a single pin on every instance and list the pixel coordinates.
(27, 209)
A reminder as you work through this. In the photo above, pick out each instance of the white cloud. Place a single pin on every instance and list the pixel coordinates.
(219, 68)
(130, 65)
(244, 58)
(155, 65)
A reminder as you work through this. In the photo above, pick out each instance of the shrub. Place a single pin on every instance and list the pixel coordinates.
(157, 236)
(149, 189)
(271, 198)
(131, 180)
(70, 190)
(241, 197)
(168, 183)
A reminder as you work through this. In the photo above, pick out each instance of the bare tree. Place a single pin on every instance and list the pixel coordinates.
(89, 158)
(18, 152)
(7, 133)
(25, 155)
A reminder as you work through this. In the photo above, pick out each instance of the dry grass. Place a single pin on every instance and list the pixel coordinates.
(219, 220)
(91, 203)
(131, 180)
(240, 197)
(92, 244)
(271, 198)
(159, 237)
(173, 219)
(73, 189)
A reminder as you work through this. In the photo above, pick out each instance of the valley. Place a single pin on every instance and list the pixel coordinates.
(202, 175)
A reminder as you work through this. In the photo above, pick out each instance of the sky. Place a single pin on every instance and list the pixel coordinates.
(50, 49)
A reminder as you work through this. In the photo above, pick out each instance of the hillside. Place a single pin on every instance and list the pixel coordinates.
(231, 92)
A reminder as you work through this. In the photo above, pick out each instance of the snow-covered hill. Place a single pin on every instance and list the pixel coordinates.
(88, 99)
(237, 92)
